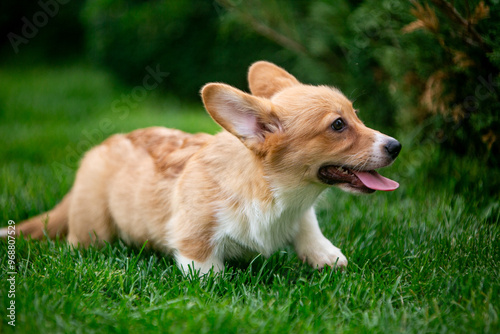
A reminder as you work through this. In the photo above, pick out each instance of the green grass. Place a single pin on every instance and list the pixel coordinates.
(422, 259)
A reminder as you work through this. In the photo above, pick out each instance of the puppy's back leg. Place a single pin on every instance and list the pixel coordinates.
(89, 218)
(89, 224)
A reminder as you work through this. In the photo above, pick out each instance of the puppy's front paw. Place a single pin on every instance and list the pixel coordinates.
(323, 253)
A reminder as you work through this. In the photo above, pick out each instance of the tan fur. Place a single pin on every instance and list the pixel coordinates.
(170, 151)
(206, 198)
(266, 80)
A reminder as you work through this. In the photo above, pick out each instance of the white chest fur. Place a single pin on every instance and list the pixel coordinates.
(260, 227)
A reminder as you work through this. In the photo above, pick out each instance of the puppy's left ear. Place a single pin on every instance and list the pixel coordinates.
(247, 117)
(266, 79)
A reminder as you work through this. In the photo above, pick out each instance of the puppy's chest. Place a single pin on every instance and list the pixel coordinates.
(256, 227)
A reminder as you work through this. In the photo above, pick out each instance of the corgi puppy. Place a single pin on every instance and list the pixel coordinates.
(249, 189)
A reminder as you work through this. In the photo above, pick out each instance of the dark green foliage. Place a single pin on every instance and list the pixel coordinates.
(184, 38)
(50, 30)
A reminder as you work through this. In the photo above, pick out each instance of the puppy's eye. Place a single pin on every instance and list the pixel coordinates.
(338, 124)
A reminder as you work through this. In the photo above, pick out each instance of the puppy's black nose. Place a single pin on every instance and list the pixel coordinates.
(393, 147)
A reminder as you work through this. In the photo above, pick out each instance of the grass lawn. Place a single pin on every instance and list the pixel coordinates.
(422, 259)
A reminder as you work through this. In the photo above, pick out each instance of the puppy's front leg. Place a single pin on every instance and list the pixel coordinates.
(191, 237)
(190, 266)
(313, 247)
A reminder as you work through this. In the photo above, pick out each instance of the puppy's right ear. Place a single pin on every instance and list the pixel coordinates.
(266, 79)
(247, 117)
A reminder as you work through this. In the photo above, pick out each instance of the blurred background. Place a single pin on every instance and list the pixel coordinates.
(426, 71)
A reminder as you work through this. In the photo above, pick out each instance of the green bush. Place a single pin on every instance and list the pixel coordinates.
(187, 39)
(447, 57)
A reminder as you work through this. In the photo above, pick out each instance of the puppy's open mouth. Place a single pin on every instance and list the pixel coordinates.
(365, 181)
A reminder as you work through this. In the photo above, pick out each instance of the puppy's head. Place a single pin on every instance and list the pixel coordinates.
(303, 133)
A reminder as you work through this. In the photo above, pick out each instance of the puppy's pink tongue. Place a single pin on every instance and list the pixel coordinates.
(375, 181)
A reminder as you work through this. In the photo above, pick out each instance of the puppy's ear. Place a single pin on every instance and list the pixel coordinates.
(266, 79)
(247, 117)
